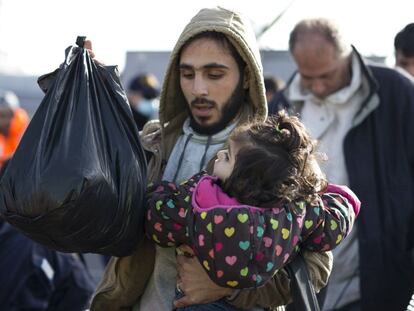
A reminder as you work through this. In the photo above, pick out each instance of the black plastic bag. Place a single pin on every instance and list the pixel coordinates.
(77, 181)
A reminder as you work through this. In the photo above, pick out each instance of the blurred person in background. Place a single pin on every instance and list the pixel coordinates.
(362, 115)
(13, 122)
(404, 49)
(143, 91)
(273, 85)
(32, 276)
(36, 278)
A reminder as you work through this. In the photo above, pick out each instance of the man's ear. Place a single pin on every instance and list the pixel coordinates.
(246, 78)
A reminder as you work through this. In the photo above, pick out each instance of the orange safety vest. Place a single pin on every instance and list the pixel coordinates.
(9, 143)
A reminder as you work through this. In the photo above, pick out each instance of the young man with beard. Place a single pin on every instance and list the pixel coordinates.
(213, 83)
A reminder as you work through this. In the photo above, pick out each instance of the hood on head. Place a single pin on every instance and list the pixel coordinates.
(173, 105)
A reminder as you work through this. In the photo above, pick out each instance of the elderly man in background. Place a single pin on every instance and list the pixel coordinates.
(362, 115)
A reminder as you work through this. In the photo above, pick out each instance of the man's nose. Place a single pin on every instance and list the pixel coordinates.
(318, 88)
(200, 88)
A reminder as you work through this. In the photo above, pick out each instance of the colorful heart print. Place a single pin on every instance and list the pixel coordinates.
(242, 218)
(244, 245)
(229, 231)
(231, 260)
(218, 219)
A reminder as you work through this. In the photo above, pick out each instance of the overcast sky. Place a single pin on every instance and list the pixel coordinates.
(35, 33)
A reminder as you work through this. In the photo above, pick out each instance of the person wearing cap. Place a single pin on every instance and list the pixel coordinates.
(13, 123)
(142, 96)
(273, 84)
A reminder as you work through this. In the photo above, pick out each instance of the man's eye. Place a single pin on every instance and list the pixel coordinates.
(187, 75)
(305, 78)
(215, 76)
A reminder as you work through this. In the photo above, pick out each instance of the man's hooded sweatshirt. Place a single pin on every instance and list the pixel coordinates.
(127, 279)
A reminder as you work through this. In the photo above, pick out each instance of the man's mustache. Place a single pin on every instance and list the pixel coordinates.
(202, 101)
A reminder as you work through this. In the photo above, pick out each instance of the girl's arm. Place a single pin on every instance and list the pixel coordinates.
(168, 210)
(330, 219)
(242, 247)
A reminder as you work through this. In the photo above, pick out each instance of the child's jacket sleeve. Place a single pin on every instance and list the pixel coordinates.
(169, 212)
(329, 219)
(243, 246)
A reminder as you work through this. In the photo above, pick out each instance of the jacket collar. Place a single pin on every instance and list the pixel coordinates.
(209, 195)
(218, 138)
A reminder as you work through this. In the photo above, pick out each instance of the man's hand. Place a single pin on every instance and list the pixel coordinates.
(88, 46)
(151, 136)
(195, 283)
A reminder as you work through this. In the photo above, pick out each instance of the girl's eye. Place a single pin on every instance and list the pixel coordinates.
(226, 156)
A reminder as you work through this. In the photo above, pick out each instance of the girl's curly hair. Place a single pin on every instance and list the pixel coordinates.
(275, 162)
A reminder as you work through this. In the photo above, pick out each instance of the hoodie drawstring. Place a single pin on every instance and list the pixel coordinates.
(180, 162)
(203, 159)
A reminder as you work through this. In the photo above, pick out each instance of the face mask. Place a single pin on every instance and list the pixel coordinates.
(145, 107)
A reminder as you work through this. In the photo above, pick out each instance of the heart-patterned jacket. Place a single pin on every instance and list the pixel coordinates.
(242, 246)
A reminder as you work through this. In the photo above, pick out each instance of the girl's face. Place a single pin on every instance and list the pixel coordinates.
(224, 164)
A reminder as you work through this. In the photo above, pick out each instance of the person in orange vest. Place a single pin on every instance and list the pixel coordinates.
(13, 123)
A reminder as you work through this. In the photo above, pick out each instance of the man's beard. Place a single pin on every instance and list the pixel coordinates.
(228, 112)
